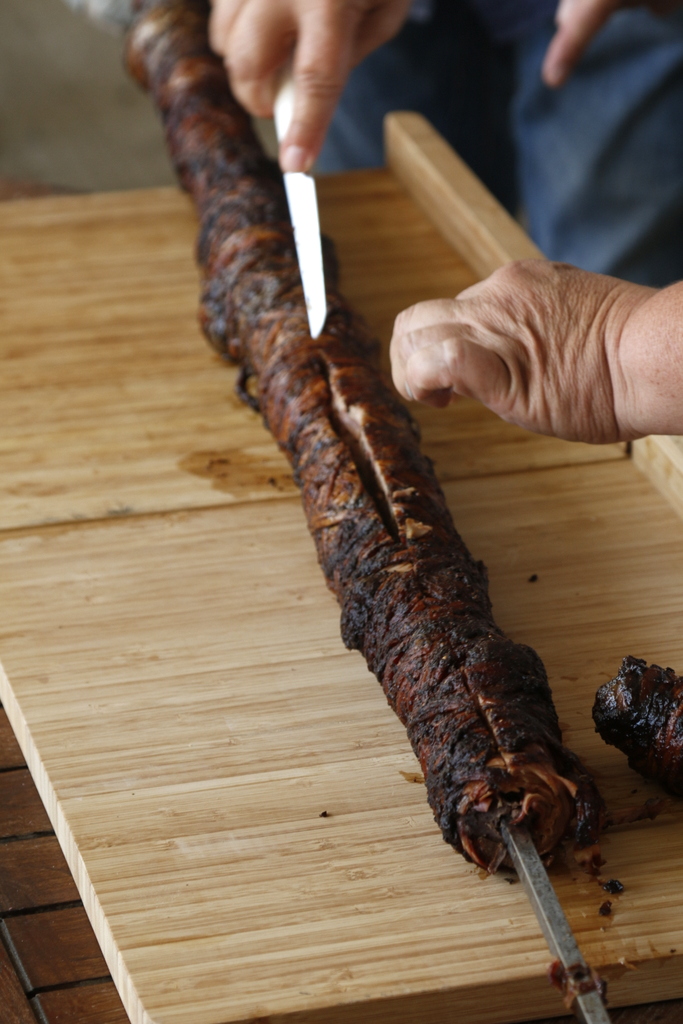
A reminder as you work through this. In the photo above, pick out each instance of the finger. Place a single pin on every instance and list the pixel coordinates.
(422, 315)
(405, 341)
(460, 366)
(578, 21)
(259, 43)
(424, 324)
(221, 20)
(322, 62)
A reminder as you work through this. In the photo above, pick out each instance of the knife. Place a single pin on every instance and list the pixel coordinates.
(303, 210)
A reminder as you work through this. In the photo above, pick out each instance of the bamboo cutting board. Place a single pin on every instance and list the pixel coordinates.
(239, 806)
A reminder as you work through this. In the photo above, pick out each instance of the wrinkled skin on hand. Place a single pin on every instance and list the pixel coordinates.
(544, 345)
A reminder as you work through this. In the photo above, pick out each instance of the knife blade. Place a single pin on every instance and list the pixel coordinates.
(303, 210)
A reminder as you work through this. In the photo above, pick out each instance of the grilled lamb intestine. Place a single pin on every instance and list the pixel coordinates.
(640, 711)
(477, 707)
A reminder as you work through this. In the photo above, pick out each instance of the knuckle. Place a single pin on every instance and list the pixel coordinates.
(324, 91)
(319, 83)
(404, 327)
(511, 274)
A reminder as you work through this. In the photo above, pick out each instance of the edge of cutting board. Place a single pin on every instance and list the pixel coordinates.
(482, 1003)
(660, 457)
(91, 903)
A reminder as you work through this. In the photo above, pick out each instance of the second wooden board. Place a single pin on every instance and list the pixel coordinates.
(240, 806)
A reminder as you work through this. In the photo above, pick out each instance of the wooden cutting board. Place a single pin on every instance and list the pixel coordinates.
(240, 808)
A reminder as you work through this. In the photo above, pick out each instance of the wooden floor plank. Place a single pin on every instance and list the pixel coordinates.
(85, 1004)
(14, 1006)
(21, 809)
(56, 947)
(33, 873)
(10, 752)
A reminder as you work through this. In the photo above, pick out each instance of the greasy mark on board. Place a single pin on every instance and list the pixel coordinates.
(235, 471)
(120, 510)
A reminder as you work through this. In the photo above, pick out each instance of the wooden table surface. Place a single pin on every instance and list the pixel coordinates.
(50, 966)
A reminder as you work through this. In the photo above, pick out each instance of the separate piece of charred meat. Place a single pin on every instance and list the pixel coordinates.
(640, 711)
(477, 707)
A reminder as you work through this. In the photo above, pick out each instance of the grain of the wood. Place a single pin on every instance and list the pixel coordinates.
(56, 947)
(21, 809)
(14, 1006)
(85, 1004)
(33, 873)
(193, 741)
(660, 457)
(453, 198)
(10, 751)
(113, 403)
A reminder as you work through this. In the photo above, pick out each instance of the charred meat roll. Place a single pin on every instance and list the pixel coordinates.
(640, 711)
(477, 707)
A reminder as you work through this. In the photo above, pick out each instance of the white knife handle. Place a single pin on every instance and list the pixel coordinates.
(284, 104)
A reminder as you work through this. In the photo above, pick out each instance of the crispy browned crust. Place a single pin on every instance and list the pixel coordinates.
(477, 707)
(640, 711)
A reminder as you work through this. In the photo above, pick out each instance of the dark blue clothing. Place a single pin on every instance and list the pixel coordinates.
(600, 161)
(506, 20)
(510, 20)
(446, 67)
(597, 165)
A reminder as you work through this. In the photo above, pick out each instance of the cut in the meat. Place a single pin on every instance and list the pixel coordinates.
(640, 711)
(477, 707)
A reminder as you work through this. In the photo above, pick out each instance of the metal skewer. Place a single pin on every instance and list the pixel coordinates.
(588, 1007)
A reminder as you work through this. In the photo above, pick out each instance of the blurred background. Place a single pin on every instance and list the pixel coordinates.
(69, 113)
